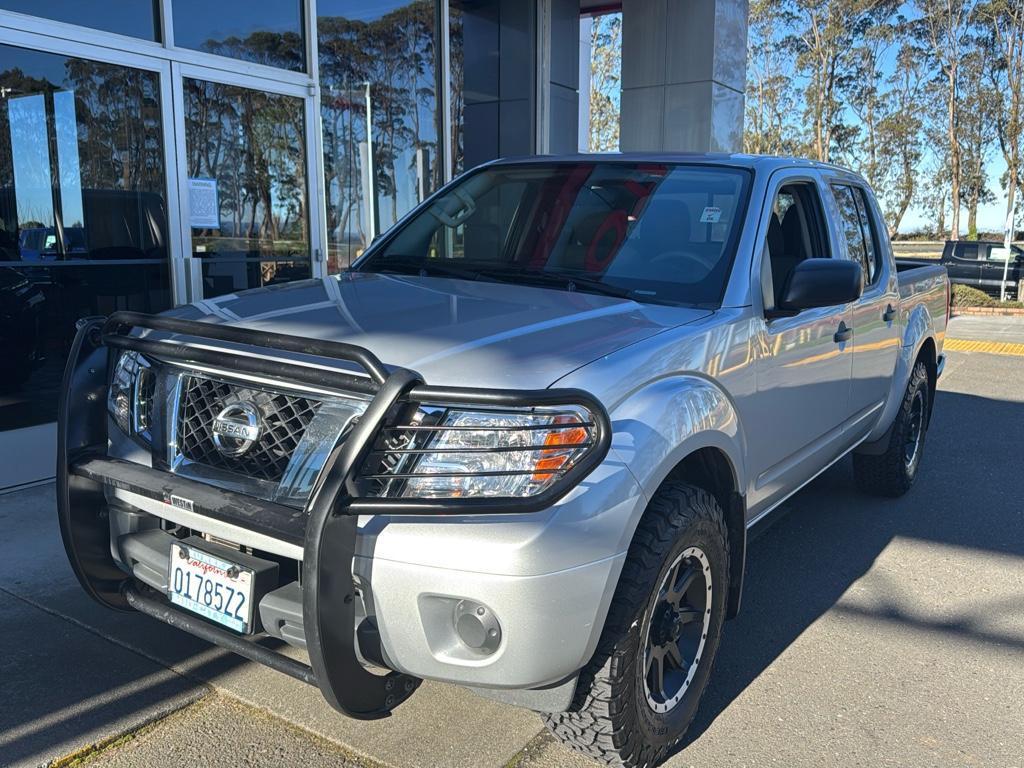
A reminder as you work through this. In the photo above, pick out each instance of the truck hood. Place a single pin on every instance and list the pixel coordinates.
(452, 332)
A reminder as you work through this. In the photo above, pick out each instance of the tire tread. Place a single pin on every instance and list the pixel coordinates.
(601, 724)
(885, 474)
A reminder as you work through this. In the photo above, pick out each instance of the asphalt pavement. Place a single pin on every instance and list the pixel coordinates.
(987, 328)
(874, 632)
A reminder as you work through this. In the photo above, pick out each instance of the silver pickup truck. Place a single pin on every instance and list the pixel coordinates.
(517, 446)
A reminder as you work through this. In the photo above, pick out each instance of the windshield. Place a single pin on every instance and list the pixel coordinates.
(659, 233)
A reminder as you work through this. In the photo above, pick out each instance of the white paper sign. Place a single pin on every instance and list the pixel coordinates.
(999, 254)
(711, 215)
(204, 212)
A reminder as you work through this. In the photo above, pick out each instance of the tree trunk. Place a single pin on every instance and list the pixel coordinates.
(954, 160)
(1011, 203)
(973, 200)
(942, 216)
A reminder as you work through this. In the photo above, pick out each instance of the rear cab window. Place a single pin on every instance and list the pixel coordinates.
(862, 241)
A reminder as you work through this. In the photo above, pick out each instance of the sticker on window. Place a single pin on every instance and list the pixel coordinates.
(711, 215)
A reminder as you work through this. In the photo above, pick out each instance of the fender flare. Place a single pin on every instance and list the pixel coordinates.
(917, 332)
(659, 425)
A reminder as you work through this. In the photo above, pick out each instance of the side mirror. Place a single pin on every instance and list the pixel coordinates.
(822, 283)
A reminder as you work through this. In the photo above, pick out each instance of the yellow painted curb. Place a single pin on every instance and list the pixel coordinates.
(991, 347)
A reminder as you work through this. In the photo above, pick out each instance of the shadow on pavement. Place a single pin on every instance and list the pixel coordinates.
(71, 671)
(829, 535)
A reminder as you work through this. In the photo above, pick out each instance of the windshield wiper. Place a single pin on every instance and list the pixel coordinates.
(423, 268)
(438, 267)
(566, 281)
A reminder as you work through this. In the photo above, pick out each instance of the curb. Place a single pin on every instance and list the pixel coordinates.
(989, 311)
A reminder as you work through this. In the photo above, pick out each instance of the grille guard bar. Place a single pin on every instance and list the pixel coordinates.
(329, 592)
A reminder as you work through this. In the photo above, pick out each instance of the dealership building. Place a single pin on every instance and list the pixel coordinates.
(159, 152)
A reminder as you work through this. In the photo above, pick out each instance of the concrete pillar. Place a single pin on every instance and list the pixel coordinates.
(498, 44)
(683, 75)
(558, 43)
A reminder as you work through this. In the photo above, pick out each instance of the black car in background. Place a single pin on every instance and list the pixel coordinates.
(979, 264)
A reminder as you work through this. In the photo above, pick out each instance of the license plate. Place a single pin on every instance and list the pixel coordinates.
(212, 587)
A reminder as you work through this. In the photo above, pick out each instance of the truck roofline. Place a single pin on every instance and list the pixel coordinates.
(766, 163)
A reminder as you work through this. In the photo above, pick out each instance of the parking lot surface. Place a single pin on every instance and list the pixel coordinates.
(874, 632)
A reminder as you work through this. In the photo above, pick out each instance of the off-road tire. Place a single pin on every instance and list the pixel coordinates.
(610, 719)
(887, 474)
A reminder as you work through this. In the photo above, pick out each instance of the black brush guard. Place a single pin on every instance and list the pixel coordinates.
(331, 514)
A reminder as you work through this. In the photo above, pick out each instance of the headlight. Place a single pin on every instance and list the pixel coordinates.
(484, 454)
(130, 398)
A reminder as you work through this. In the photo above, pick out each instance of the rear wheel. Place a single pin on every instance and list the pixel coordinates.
(640, 692)
(893, 472)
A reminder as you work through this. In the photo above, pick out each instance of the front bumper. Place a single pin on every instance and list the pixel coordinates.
(412, 608)
(329, 612)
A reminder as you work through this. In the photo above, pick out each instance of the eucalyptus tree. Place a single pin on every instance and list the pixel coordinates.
(1003, 23)
(979, 110)
(605, 82)
(770, 95)
(826, 36)
(946, 26)
(900, 138)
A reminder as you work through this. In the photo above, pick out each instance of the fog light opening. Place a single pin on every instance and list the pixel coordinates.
(477, 627)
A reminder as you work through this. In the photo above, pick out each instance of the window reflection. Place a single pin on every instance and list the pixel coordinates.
(246, 160)
(81, 198)
(457, 59)
(378, 74)
(136, 18)
(30, 158)
(267, 33)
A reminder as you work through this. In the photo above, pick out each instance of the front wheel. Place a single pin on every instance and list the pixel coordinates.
(639, 694)
(894, 472)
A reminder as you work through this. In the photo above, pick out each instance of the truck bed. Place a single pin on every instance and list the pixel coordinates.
(924, 284)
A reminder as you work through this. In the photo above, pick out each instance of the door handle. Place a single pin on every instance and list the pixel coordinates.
(845, 333)
(889, 315)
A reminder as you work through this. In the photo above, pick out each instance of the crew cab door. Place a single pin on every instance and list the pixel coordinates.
(963, 264)
(876, 320)
(804, 362)
(992, 262)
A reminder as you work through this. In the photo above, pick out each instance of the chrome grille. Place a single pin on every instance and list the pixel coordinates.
(284, 418)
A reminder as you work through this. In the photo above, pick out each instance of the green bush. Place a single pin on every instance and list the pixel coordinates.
(966, 296)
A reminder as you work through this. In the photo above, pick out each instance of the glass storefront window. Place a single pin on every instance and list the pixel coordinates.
(83, 220)
(246, 157)
(379, 66)
(135, 18)
(268, 32)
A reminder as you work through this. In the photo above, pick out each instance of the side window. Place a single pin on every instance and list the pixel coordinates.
(858, 230)
(967, 251)
(795, 232)
(871, 241)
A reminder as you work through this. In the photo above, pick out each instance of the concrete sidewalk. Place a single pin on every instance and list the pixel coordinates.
(874, 632)
(977, 328)
(224, 734)
(440, 726)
